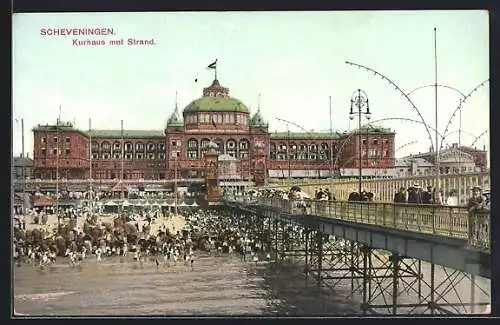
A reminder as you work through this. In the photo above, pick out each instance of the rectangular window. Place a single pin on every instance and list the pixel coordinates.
(192, 155)
(161, 156)
(54, 151)
(128, 156)
(68, 140)
(105, 156)
(44, 152)
(95, 156)
(117, 156)
(375, 141)
(68, 151)
(44, 140)
(55, 139)
(139, 156)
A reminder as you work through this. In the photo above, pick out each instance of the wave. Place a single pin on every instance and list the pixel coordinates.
(43, 296)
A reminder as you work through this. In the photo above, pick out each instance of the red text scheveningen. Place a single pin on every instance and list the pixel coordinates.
(76, 31)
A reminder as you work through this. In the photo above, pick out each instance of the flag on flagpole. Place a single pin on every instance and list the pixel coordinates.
(213, 65)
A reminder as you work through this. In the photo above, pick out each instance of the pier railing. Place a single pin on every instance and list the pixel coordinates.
(447, 221)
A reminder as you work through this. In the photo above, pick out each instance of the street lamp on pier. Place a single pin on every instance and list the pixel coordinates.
(359, 107)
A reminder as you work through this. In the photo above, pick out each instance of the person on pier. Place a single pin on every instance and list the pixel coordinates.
(400, 196)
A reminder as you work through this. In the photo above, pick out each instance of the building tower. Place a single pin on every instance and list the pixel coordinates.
(212, 193)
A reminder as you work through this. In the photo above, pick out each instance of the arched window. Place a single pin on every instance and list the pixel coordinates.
(128, 146)
(204, 143)
(95, 146)
(116, 146)
(220, 146)
(106, 146)
(139, 147)
(244, 144)
(192, 144)
(231, 144)
(151, 147)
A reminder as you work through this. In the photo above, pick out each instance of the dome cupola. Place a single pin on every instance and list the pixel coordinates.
(257, 119)
(215, 99)
(174, 120)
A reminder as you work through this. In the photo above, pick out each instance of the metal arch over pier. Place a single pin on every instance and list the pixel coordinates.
(381, 250)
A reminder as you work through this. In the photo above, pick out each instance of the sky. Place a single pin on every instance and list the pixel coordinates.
(296, 61)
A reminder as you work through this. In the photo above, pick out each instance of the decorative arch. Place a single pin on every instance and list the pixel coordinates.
(192, 149)
(95, 146)
(150, 147)
(117, 146)
(244, 144)
(220, 146)
(139, 147)
(231, 144)
(106, 146)
(192, 144)
(128, 146)
(324, 151)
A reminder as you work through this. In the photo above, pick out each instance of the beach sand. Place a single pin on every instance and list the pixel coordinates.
(173, 224)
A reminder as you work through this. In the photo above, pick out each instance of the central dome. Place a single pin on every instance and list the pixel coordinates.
(216, 104)
(216, 99)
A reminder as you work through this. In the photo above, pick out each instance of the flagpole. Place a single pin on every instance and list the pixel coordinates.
(216, 69)
(331, 138)
(123, 153)
(57, 171)
(90, 167)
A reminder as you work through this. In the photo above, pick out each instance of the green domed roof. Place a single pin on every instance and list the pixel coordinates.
(216, 104)
(257, 120)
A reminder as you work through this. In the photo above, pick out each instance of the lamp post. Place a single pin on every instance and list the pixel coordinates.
(359, 102)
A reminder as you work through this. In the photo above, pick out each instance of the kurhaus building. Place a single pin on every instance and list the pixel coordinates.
(178, 151)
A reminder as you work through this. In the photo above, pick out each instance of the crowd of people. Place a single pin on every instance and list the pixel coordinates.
(131, 236)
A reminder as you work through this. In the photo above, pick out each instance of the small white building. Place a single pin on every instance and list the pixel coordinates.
(455, 161)
(410, 166)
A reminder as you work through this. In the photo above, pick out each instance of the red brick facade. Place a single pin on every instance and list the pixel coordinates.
(180, 148)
